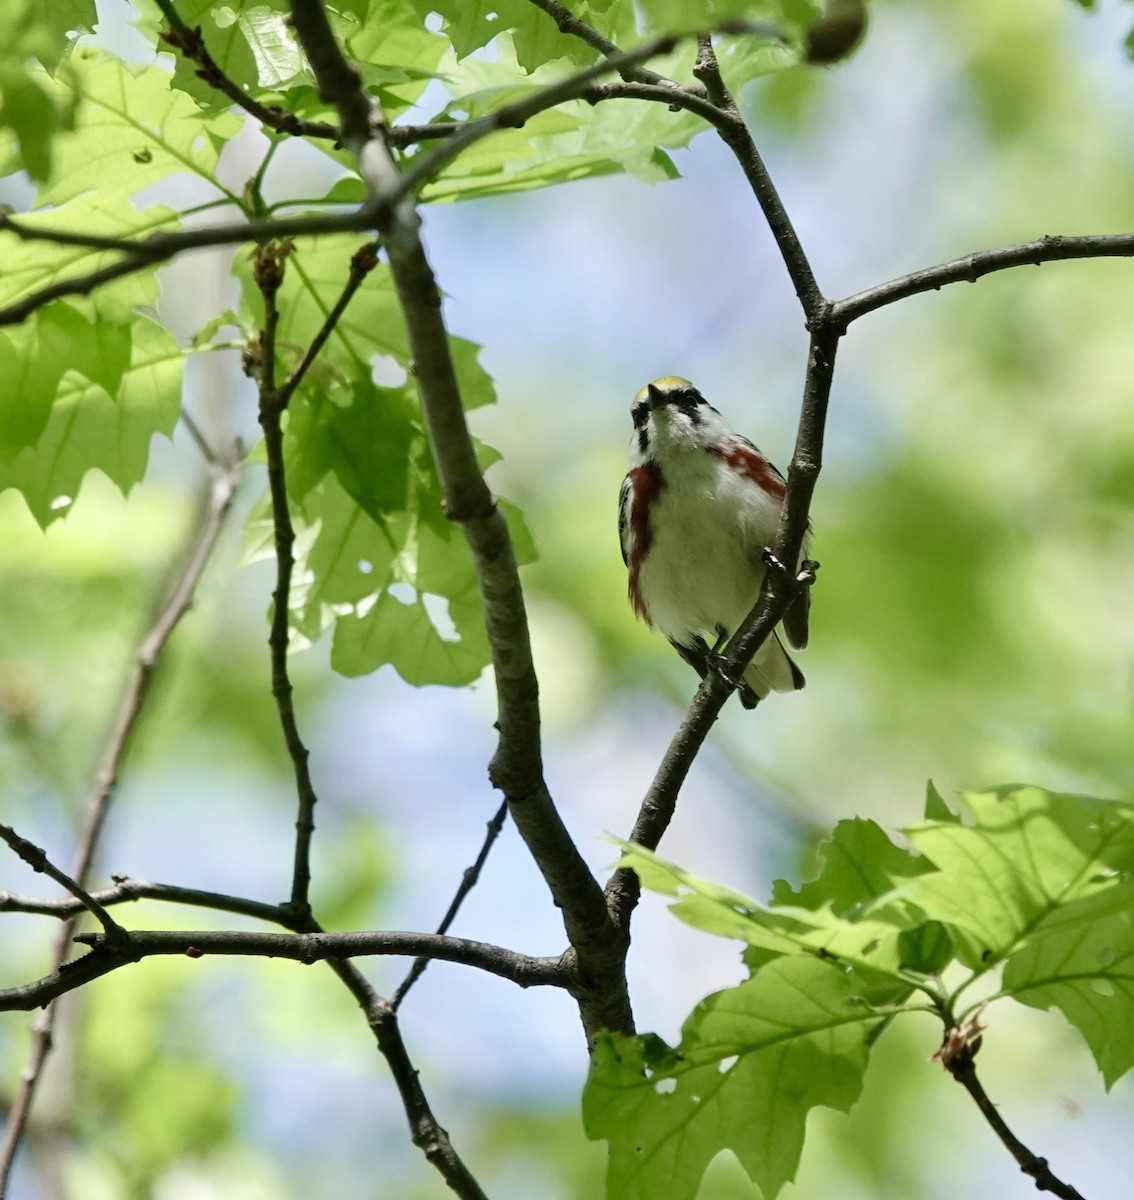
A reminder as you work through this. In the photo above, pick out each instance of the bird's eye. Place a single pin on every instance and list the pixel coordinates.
(689, 402)
(640, 414)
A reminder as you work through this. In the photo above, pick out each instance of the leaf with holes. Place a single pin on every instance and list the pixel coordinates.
(132, 131)
(752, 1063)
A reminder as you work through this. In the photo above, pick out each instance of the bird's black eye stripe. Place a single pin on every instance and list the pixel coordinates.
(640, 414)
(690, 402)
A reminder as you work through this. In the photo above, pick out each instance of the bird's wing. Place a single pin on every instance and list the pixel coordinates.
(625, 498)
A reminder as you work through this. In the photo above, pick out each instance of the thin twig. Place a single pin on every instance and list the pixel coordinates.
(157, 247)
(221, 494)
(573, 26)
(425, 1130)
(971, 267)
(189, 41)
(963, 1070)
(268, 270)
(130, 890)
(107, 955)
(362, 263)
(468, 882)
(37, 859)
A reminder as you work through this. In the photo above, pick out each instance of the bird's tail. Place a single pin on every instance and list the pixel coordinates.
(772, 670)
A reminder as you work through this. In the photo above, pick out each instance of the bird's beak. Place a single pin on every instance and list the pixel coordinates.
(656, 397)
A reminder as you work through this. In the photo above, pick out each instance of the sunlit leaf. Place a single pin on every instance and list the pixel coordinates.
(88, 429)
(132, 130)
(752, 1063)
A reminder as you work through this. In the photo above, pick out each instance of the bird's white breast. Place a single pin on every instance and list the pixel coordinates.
(708, 529)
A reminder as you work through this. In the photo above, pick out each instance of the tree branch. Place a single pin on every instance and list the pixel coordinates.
(226, 477)
(157, 247)
(37, 859)
(268, 271)
(133, 946)
(971, 267)
(129, 890)
(963, 1070)
(425, 1130)
(516, 767)
(574, 26)
(468, 882)
(364, 261)
(189, 41)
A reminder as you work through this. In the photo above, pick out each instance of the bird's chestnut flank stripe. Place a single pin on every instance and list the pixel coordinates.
(647, 483)
(752, 466)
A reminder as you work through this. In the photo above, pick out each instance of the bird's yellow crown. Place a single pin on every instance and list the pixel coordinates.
(667, 383)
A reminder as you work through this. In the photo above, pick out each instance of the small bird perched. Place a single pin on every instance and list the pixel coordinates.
(697, 511)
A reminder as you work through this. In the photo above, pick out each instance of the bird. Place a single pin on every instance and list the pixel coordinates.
(697, 512)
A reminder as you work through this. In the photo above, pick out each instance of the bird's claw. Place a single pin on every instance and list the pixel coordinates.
(807, 569)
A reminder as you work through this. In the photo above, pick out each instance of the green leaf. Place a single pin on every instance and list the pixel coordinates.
(30, 30)
(414, 641)
(89, 429)
(249, 40)
(31, 114)
(752, 1063)
(869, 942)
(317, 272)
(131, 131)
(935, 807)
(1030, 853)
(471, 24)
(396, 55)
(1081, 961)
(33, 358)
(860, 863)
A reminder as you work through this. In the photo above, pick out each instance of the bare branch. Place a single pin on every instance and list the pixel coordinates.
(468, 882)
(133, 946)
(963, 1070)
(268, 271)
(970, 268)
(37, 859)
(129, 890)
(157, 247)
(425, 1129)
(221, 493)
